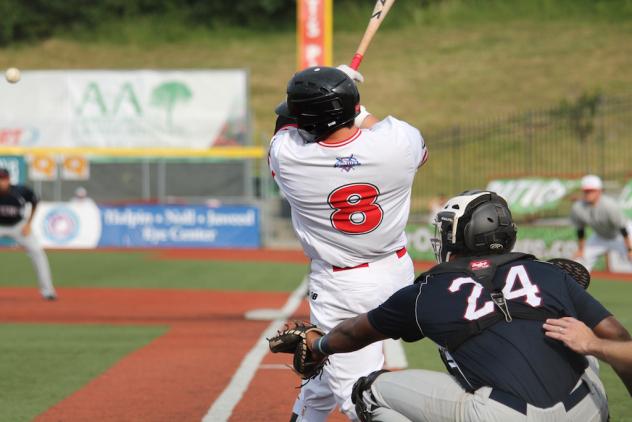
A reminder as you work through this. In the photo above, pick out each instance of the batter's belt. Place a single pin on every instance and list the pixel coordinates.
(401, 252)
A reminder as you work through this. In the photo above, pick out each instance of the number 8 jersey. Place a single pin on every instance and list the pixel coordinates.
(350, 200)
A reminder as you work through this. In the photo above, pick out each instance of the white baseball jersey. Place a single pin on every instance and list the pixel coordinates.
(350, 200)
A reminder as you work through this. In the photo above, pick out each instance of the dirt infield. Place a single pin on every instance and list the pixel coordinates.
(179, 375)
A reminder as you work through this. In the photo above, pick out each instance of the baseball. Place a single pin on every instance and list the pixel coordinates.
(12, 74)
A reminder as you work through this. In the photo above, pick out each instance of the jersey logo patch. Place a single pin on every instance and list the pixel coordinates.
(346, 163)
(480, 265)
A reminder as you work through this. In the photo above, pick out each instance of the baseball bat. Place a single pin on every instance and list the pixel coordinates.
(379, 13)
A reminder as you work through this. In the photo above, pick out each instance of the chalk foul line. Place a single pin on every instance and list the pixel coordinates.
(223, 407)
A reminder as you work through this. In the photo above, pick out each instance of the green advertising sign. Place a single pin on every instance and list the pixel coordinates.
(543, 242)
(626, 199)
(532, 195)
(16, 166)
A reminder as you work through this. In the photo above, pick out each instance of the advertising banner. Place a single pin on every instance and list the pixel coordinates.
(16, 166)
(75, 167)
(125, 109)
(314, 33)
(532, 195)
(43, 167)
(67, 224)
(625, 197)
(180, 226)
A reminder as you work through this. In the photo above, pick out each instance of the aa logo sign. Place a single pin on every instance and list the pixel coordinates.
(128, 109)
(125, 102)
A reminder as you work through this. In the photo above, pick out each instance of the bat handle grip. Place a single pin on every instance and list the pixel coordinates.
(355, 62)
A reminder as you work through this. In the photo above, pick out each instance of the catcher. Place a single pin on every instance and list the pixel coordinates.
(484, 306)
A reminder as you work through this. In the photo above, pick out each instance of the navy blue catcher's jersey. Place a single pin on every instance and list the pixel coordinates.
(516, 356)
(13, 202)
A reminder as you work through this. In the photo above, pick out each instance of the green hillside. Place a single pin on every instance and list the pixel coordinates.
(446, 64)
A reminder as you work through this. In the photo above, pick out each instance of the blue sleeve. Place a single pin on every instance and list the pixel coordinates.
(588, 309)
(396, 318)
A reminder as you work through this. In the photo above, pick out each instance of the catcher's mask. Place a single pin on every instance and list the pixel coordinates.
(321, 99)
(473, 223)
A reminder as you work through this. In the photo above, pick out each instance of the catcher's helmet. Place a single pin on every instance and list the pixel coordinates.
(474, 223)
(321, 99)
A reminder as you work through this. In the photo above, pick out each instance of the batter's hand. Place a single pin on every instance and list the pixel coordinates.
(575, 334)
(26, 230)
(353, 74)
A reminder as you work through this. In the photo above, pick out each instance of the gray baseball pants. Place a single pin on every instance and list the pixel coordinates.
(420, 395)
(35, 252)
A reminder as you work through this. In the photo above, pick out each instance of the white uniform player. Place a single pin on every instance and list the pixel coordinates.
(605, 217)
(349, 190)
(17, 206)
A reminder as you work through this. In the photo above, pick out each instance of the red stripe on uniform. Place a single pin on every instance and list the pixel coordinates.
(350, 139)
(399, 254)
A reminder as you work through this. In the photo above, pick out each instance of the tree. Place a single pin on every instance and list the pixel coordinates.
(167, 94)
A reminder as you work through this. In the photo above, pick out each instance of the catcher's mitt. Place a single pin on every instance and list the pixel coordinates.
(573, 268)
(293, 339)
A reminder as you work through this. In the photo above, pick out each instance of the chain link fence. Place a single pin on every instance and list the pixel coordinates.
(590, 135)
(159, 180)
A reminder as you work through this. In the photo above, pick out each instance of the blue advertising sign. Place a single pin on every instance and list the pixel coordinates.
(180, 226)
(16, 166)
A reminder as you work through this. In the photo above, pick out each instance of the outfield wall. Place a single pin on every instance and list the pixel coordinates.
(84, 224)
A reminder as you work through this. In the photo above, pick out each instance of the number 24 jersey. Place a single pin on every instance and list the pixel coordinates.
(350, 200)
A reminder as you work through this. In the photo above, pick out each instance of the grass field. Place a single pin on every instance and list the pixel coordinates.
(33, 355)
(144, 270)
(42, 364)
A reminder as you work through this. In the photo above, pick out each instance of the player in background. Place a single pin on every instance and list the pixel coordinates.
(484, 306)
(347, 177)
(605, 217)
(17, 208)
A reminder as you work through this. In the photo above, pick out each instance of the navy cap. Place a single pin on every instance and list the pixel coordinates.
(4, 173)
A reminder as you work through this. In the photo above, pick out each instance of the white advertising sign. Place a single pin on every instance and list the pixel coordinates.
(67, 224)
(125, 109)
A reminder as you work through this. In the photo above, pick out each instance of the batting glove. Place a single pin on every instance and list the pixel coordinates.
(352, 73)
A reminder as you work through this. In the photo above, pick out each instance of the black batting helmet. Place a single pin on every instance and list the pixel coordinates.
(474, 223)
(321, 99)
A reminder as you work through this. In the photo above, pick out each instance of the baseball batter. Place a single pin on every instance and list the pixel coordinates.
(347, 177)
(605, 217)
(17, 208)
(484, 306)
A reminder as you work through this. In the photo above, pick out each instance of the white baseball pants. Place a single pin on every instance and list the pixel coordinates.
(335, 296)
(418, 395)
(596, 246)
(35, 252)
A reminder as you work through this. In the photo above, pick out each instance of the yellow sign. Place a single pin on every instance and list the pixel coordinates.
(43, 167)
(75, 167)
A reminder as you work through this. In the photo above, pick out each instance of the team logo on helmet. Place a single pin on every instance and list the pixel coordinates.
(346, 163)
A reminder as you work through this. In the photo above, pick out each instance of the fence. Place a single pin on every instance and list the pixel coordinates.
(590, 135)
(161, 175)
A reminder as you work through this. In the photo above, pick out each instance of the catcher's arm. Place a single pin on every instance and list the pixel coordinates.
(348, 336)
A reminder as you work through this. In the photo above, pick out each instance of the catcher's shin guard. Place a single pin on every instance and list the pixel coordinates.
(362, 408)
